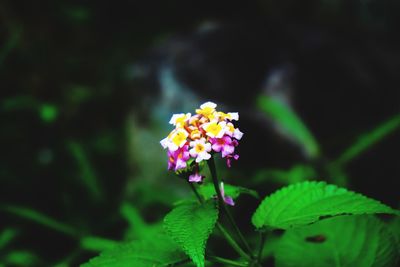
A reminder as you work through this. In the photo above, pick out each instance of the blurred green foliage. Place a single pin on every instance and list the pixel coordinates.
(82, 170)
(290, 124)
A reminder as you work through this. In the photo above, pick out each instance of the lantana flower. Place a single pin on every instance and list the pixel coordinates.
(197, 137)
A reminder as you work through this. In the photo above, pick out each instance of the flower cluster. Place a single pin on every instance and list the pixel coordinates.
(195, 138)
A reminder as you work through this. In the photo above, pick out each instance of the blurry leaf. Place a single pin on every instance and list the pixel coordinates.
(298, 173)
(10, 44)
(39, 218)
(21, 258)
(132, 215)
(369, 139)
(77, 94)
(6, 236)
(98, 244)
(144, 190)
(69, 258)
(77, 14)
(154, 251)
(208, 191)
(138, 228)
(190, 225)
(48, 112)
(290, 123)
(346, 241)
(88, 175)
(337, 175)
(307, 202)
(19, 102)
(105, 142)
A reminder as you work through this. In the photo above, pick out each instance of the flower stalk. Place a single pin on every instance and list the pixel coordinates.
(211, 165)
(223, 231)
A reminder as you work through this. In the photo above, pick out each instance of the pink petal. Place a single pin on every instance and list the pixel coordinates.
(217, 147)
(229, 201)
(180, 164)
(195, 178)
(227, 150)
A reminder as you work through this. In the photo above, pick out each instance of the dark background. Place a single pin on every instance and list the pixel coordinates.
(87, 89)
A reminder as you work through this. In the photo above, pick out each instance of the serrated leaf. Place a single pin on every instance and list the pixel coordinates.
(159, 250)
(345, 241)
(307, 202)
(208, 191)
(190, 225)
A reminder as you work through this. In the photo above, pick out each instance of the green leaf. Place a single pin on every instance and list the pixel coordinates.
(95, 243)
(394, 226)
(369, 139)
(39, 218)
(190, 226)
(307, 202)
(131, 214)
(157, 250)
(21, 258)
(345, 241)
(208, 191)
(10, 44)
(138, 228)
(7, 236)
(290, 124)
(297, 173)
(87, 173)
(48, 112)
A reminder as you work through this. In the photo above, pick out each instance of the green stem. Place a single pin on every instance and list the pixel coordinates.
(213, 170)
(223, 231)
(227, 261)
(196, 193)
(232, 242)
(261, 246)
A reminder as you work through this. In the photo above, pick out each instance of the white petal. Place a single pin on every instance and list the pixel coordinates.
(207, 147)
(172, 146)
(234, 116)
(205, 125)
(204, 155)
(207, 156)
(208, 104)
(164, 142)
(192, 152)
(237, 134)
(173, 118)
